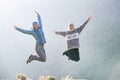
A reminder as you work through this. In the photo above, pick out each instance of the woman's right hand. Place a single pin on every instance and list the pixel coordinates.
(15, 27)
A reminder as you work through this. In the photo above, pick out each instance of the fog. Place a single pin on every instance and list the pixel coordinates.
(99, 41)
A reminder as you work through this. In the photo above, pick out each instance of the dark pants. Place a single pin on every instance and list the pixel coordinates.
(72, 54)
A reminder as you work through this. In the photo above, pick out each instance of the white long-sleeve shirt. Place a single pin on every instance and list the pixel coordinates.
(72, 37)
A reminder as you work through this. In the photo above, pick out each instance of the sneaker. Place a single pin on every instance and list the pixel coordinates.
(64, 54)
(30, 59)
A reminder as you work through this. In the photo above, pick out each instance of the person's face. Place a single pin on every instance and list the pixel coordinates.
(35, 26)
(71, 27)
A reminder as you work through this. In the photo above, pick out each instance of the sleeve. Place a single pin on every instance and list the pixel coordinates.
(25, 31)
(39, 21)
(61, 33)
(82, 26)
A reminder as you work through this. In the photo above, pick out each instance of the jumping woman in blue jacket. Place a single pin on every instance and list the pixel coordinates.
(38, 34)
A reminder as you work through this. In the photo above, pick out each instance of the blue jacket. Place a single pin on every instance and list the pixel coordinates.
(38, 33)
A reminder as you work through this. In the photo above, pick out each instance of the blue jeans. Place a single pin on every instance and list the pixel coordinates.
(40, 52)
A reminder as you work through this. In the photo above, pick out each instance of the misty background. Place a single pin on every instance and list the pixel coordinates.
(99, 41)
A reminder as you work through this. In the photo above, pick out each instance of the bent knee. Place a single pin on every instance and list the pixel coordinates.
(43, 60)
(76, 60)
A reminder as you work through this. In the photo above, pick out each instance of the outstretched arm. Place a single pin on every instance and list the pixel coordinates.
(61, 33)
(39, 19)
(23, 31)
(83, 25)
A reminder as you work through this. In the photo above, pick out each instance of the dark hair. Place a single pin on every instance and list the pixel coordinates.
(34, 23)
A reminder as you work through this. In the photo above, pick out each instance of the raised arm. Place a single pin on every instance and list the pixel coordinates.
(39, 19)
(84, 24)
(23, 31)
(61, 33)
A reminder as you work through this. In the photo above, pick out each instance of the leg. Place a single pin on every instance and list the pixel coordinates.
(74, 54)
(67, 54)
(41, 53)
(41, 56)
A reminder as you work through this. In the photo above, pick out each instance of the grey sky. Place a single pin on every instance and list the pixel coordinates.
(99, 41)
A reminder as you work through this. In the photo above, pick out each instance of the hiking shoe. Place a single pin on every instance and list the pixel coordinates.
(30, 59)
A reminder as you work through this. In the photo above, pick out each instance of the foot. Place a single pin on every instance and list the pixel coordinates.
(30, 59)
(64, 54)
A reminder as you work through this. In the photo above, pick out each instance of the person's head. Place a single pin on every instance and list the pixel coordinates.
(21, 77)
(50, 78)
(41, 78)
(71, 26)
(35, 25)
